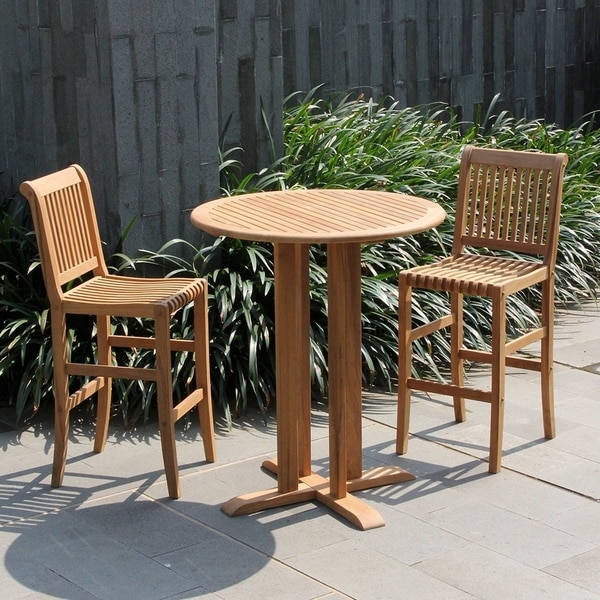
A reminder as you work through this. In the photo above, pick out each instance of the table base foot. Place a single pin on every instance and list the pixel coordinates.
(257, 501)
(316, 487)
(379, 476)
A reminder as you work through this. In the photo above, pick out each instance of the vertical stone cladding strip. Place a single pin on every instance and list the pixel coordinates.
(250, 80)
(333, 45)
(273, 142)
(540, 61)
(228, 53)
(388, 59)
(433, 48)
(294, 33)
(175, 116)
(207, 92)
(592, 57)
(246, 75)
(487, 47)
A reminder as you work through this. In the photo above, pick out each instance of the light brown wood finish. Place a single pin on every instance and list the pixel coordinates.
(342, 219)
(508, 201)
(69, 242)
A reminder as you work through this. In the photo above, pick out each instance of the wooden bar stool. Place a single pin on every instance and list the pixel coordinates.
(78, 282)
(508, 204)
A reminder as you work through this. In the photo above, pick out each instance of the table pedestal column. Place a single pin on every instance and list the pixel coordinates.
(295, 481)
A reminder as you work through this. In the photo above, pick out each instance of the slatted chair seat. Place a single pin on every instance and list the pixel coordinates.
(477, 275)
(508, 202)
(78, 282)
(131, 296)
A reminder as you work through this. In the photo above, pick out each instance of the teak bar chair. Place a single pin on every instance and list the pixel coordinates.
(508, 202)
(77, 282)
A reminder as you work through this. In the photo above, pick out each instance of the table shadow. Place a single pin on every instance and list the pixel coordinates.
(110, 540)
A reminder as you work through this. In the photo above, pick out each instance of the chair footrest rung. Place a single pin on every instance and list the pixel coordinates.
(518, 362)
(522, 362)
(187, 403)
(149, 343)
(85, 391)
(431, 327)
(118, 372)
(448, 389)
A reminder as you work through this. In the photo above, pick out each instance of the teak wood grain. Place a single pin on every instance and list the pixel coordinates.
(292, 220)
(70, 248)
(508, 207)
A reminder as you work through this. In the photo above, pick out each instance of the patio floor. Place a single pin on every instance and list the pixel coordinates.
(455, 532)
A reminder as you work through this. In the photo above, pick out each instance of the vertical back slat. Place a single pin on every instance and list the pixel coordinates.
(532, 232)
(511, 202)
(476, 196)
(487, 230)
(497, 216)
(66, 227)
(513, 206)
(506, 206)
(524, 200)
(544, 208)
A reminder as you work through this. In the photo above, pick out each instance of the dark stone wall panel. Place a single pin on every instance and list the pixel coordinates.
(142, 92)
(128, 89)
(542, 57)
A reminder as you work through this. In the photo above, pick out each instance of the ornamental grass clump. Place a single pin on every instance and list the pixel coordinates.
(328, 143)
(363, 145)
(417, 151)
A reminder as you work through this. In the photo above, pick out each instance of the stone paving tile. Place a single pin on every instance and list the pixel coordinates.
(581, 570)
(361, 571)
(234, 571)
(523, 496)
(508, 533)
(582, 521)
(90, 560)
(488, 575)
(455, 531)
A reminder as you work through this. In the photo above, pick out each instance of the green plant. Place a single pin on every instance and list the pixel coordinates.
(359, 144)
(25, 357)
(329, 143)
(25, 343)
(240, 277)
(349, 143)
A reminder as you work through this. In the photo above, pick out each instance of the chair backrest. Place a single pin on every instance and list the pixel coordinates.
(65, 226)
(509, 200)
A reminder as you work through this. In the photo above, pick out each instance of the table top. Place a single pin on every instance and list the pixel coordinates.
(318, 216)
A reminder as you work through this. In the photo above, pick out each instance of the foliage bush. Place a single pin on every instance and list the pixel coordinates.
(25, 343)
(329, 143)
(417, 151)
(367, 146)
(25, 356)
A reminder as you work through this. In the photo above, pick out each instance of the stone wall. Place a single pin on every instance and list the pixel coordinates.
(541, 56)
(143, 93)
(139, 93)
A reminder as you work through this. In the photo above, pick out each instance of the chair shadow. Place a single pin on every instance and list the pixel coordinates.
(111, 538)
(106, 534)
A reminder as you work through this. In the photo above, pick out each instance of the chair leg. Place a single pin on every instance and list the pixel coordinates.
(547, 359)
(498, 381)
(201, 353)
(105, 392)
(164, 393)
(404, 364)
(61, 395)
(457, 363)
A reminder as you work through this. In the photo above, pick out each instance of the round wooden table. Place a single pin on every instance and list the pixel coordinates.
(292, 220)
